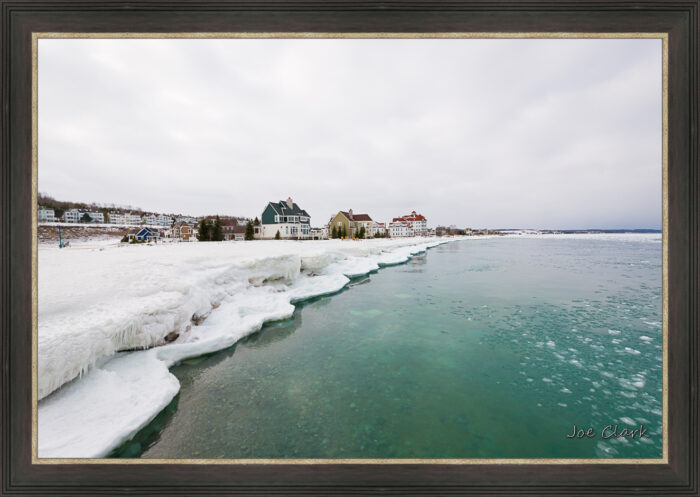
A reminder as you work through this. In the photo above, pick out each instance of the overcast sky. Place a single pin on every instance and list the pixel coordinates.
(477, 133)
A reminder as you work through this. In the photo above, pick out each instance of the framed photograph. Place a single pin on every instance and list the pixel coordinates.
(348, 248)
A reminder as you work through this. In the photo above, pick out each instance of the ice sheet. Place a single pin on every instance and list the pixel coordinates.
(95, 303)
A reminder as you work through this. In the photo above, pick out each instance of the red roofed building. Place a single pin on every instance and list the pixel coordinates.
(399, 229)
(417, 223)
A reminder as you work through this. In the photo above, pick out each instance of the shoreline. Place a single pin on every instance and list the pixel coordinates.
(114, 383)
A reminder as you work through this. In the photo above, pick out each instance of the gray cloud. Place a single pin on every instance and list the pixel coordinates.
(482, 133)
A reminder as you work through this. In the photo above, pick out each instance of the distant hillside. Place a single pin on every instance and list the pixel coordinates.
(60, 206)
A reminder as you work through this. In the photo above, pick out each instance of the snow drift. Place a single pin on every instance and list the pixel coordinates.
(96, 307)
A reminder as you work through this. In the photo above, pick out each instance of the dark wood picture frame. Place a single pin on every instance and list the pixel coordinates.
(679, 19)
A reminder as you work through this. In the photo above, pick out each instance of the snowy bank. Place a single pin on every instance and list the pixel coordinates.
(95, 303)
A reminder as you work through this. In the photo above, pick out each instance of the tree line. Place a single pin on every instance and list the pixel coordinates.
(341, 232)
(210, 232)
(213, 232)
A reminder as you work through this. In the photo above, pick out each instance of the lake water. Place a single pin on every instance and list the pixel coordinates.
(479, 348)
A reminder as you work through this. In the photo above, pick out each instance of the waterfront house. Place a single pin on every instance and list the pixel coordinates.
(285, 217)
(351, 223)
(227, 225)
(144, 234)
(319, 233)
(239, 231)
(183, 231)
(233, 228)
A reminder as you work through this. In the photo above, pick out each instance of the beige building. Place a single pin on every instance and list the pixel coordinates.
(350, 224)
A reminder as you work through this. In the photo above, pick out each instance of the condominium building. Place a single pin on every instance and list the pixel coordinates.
(72, 216)
(124, 218)
(157, 220)
(95, 217)
(185, 219)
(399, 229)
(417, 222)
(45, 215)
(378, 229)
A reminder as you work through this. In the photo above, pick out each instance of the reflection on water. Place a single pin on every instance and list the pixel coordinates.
(489, 348)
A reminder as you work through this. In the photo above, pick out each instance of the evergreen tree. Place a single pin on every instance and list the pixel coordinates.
(344, 232)
(203, 235)
(256, 222)
(277, 235)
(362, 232)
(216, 233)
(249, 232)
(334, 232)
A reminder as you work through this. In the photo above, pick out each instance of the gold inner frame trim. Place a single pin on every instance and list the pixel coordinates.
(321, 35)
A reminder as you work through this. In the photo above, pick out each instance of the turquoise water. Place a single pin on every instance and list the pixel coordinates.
(479, 348)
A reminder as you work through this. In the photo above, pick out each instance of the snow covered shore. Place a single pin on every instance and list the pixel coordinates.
(94, 304)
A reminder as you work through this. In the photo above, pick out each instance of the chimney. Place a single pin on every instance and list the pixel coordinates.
(290, 204)
(350, 212)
